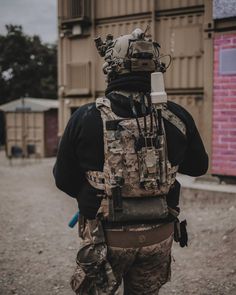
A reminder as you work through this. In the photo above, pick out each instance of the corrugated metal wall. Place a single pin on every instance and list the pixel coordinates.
(111, 8)
(182, 37)
(172, 4)
(69, 9)
(114, 8)
(178, 25)
(180, 32)
(78, 79)
(23, 129)
(194, 104)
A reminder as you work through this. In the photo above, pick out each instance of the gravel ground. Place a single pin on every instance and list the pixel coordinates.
(37, 249)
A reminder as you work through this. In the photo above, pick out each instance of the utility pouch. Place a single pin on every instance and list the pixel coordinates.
(184, 235)
(79, 283)
(91, 257)
(148, 158)
(139, 209)
(180, 233)
(92, 260)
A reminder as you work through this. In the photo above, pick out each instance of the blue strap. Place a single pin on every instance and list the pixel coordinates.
(74, 220)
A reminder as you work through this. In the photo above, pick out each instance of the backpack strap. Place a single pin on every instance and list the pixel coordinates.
(103, 104)
(173, 119)
(96, 178)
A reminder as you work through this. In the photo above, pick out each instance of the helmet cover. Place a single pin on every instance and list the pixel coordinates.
(128, 54)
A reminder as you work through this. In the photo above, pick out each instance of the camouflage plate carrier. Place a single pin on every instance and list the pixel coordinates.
(137, 174)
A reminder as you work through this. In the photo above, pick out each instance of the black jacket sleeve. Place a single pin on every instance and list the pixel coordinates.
(195, 161)
(67, 172)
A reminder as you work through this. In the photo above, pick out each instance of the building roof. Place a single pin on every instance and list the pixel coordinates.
(30, 104)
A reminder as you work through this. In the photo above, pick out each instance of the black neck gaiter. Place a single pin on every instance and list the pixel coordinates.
(138, 82)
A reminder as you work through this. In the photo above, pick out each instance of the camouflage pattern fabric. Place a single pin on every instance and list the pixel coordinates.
(171, 117)
(93, 274)
(143, 172)
(121, 157)
(143, 270)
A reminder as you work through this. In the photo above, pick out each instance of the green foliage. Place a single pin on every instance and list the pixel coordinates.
(27, 66)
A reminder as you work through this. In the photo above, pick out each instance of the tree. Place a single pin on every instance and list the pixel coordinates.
(27, 66)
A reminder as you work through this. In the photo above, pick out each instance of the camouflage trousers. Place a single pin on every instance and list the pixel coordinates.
(141, 271)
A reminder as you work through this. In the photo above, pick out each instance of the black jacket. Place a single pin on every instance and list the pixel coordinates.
(81, 149)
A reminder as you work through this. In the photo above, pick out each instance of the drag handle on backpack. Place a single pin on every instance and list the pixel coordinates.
(116, 198)
(116, 192)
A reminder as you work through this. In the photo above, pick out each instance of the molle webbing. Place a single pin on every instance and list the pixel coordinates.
(137, 174)
(96, 178)
(167, 114)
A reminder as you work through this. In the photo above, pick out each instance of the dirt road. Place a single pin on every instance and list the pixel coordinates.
(37, 249)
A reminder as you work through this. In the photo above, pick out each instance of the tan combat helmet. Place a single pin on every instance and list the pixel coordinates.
(129, 53)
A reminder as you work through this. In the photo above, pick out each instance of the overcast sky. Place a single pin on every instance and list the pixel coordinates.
(37, 17)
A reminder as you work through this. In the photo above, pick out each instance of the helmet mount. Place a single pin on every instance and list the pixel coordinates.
(131, 53)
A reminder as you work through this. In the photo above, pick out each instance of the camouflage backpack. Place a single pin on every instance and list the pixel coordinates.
(137, 174)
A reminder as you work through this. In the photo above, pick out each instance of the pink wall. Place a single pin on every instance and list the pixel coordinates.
(224, 112)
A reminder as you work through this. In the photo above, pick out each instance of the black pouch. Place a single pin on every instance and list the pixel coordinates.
(180, 233)
(139, 209)
(183, 234)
